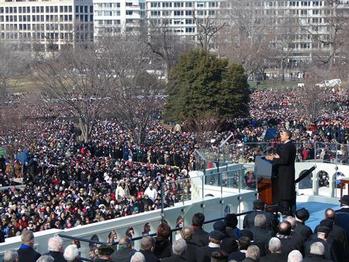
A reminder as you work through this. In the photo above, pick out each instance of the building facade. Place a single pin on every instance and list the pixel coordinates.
(45, 25)
(117, 16)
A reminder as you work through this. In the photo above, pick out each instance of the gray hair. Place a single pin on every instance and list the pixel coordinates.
(260, 220)
(71, 252)
(10, 256)
(55, 244)
(27, 237)
(45, 258)
(274, 245)
(317, 248)
(137, 257)
(179, 246)
(146, 243)
(295, 256)
(253, 252)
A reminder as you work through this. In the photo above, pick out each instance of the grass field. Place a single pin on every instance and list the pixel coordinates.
(24, 84)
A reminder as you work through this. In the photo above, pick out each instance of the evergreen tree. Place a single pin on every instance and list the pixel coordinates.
(202, 86)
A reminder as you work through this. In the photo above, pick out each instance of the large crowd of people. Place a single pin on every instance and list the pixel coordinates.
(69, 183)
(264, 236)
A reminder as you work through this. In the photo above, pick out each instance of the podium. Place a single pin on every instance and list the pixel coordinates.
(263, 172)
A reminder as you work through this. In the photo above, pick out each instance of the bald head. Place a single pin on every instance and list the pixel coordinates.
(284, 228)
(292, 221)
(330, 214)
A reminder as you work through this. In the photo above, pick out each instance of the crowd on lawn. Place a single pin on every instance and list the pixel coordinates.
(69, 183)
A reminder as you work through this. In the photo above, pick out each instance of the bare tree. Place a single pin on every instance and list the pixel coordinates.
(79, 79)
(207, 29)
(246, 36)
(11, 73)
(164, 43)
(137, 92)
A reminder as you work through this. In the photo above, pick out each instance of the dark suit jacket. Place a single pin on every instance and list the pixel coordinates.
(290, 243)
(343, 209)
(331, 248)
(303, 231)
(58, 256)
(173, 258)
(338, 236)
(274, 257)
(123, 255)
(283, 185)
(162, 248)
(316, 258)
(149, 256)
(203, 254)
(249, 219)
(27, 254)
(261, 238)
(190, 252)
(200, 237)
(237, 255)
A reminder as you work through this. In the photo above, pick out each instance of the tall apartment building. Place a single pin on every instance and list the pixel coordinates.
(180, 16)
(117, 16)
(44, 25)
(303, 29)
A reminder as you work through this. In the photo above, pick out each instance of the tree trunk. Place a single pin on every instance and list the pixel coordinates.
(85, 130)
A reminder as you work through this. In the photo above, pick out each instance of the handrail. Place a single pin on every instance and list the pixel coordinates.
(139, 237)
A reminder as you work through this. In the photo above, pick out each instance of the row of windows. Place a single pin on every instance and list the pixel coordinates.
(182, 4)
(47, 18)
(108, 5)
(84, 9)
(38, 27)
(182, 13)
(47, 9)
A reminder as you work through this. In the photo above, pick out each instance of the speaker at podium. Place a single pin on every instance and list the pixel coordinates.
(263, 172)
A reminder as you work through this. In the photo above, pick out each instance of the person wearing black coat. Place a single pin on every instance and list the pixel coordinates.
(26, 252)
(203, 254)
(301, 229)
(261, 235)
(162, 246)
(199, 236)
(239, 255)
(288, 242)
(190, 252)
(331, 251)
(178, 249)
(344, 204)
(317, 253)
(147, 245)
(124, 251)
(55, 247)
(283, 180)
(258, 206)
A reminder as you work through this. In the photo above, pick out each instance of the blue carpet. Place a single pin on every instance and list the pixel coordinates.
(316, 211)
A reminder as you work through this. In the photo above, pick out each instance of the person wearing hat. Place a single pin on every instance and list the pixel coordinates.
(204, 253)
(344, 204)
(301, 229)
(104, 253)
(330, 245)
(240, 254)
